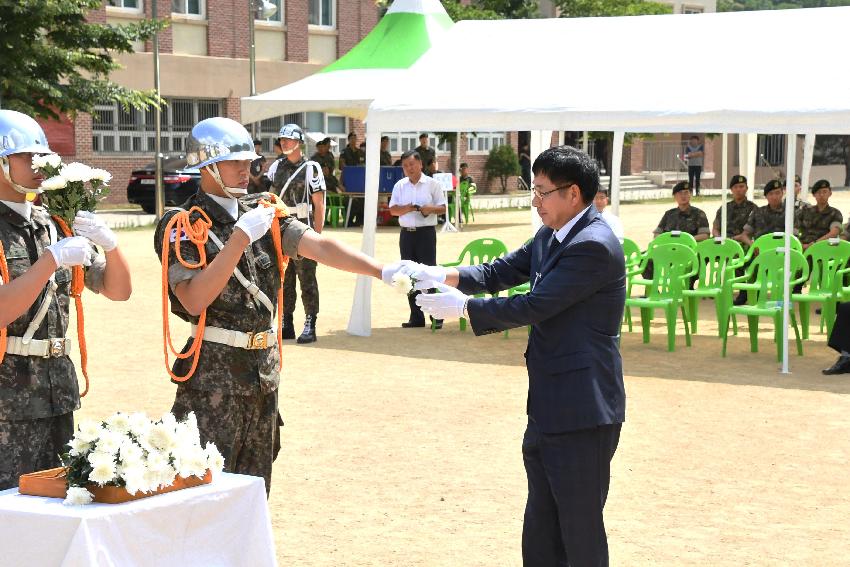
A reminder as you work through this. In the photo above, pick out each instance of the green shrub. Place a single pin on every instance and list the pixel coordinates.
(502, 163)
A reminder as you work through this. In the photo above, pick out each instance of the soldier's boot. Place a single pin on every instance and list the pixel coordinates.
(308, 335)
(288, 331)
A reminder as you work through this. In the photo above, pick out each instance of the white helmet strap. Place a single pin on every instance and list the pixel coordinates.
(231, 192)
(4, 165)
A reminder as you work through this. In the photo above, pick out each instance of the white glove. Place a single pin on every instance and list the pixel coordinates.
(447, 304)
(71, 251)
(256, 222)
(403, 267)
(427, 276)
(89, 225)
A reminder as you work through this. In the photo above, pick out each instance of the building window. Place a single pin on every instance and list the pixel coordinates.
(771, 150)
(401, 142)
(117, 130)
(483, 142)
(692, 9)
(129, 5)
(278, 15)
(331, 125)
(322, 13)
(188, 7)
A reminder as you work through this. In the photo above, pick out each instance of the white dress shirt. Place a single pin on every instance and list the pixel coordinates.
(614, 222)
(562, 232)
(228, 204)
(24, 209)
(425, 193)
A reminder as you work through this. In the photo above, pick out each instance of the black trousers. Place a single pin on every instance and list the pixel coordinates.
(568, 477)
(694, 173)
(839, 339)
(420, 246)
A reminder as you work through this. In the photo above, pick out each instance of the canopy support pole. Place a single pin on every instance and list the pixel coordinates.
(789, 227)
(724, 175)
(360, 321)
(539, 140)
(808, 154)
(616, 163)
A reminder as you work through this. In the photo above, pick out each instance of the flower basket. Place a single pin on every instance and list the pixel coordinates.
(53, 483)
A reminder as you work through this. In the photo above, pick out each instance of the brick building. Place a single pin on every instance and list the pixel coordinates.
(204, 70)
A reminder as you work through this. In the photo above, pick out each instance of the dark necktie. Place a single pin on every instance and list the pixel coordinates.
(553, 245)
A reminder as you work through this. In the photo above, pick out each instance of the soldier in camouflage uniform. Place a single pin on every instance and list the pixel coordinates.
(767, 219)
(291, 174)
(233, 391)
(737, 211)
(351, 154)
(684, 217)
(325, 159)
(38, 384)
(821, 221)
(386, 156)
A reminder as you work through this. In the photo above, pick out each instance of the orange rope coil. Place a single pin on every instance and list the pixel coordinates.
(198, 234)
(77, 286)
(4, 275)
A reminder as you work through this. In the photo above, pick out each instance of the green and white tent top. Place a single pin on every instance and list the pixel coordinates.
(372, 67)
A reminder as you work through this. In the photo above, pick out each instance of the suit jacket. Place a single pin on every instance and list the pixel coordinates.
(575, 306)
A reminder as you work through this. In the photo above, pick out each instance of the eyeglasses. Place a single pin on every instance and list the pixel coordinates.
(542, 194)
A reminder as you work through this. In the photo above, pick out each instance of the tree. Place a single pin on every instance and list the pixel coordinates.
(745, 5)
(56, 62)
(502, 163)
(595, 8)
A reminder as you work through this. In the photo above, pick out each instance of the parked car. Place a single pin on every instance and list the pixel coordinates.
(178, 180)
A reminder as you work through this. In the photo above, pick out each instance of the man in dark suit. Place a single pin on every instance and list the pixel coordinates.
(576, 399)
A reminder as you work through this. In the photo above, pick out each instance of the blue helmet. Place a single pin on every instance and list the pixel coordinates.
(218, 139)
(20, 134)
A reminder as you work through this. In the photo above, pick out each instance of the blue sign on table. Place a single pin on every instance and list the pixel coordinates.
(354, 178)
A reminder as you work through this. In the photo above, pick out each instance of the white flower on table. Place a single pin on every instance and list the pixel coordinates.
(78, 446)
(130, 452)
(163, 437)
(103, 468)
(215, 462)
(109, 442)
(118, 423)
(88, 430)
(77, 496)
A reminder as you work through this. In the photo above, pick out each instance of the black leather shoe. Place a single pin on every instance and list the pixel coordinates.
(413, 324)
(308, 335)
(288, 330)
(841, 366)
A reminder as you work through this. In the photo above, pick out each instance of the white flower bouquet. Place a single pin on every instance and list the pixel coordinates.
(70, 188)
(403, 283)
(136, 453)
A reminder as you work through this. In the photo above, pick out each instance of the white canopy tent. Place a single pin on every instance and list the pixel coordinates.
(754, 86)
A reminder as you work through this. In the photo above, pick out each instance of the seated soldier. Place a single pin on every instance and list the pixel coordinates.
(738, 210)
(326, 160)
(684, 217)
(767, 219)
(821, 221)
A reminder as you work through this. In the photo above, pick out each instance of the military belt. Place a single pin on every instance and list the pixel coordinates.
(248, 341)
(45, 348)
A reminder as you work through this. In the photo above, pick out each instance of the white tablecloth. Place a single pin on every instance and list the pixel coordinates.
(223, 523)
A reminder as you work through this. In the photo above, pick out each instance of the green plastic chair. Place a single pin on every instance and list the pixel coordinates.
(715, 257)
(479, 251)
(465, 190)
(633, 257)
(673, 267)
(674, 237)
(825, 259)
(334, 209)
(769, 241)
(765, 295)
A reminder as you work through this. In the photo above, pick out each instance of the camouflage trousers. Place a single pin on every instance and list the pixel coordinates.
(305, 270)
(246, 429)
(30, 445)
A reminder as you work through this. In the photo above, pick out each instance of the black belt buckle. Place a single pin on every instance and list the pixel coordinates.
(410, 228)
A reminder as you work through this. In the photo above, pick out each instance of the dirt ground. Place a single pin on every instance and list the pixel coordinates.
(404, 448)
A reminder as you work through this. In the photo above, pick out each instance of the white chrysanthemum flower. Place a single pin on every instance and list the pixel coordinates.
(54, 183)
(53, 160)
(192, 462)
(109, 442)
(118, 423)
(76, 171)
(38, 162)
(102, 472)
(139, 424)
(169, 420)
(167, 475)
(89, 430)
(402, 282)
(163, 437)
(192, 423)
(96, 458)
(130, 453)
(101, 174)
(151, 481)
(134, 478)
(77, 496)
(215, 462)
(78, 446)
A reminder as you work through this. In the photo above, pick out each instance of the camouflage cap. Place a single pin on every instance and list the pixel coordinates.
(681, 186)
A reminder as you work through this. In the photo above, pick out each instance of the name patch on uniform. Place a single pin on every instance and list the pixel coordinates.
(173, 237)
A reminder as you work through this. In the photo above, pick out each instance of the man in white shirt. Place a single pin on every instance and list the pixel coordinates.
(612, 220)
(416, 201)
